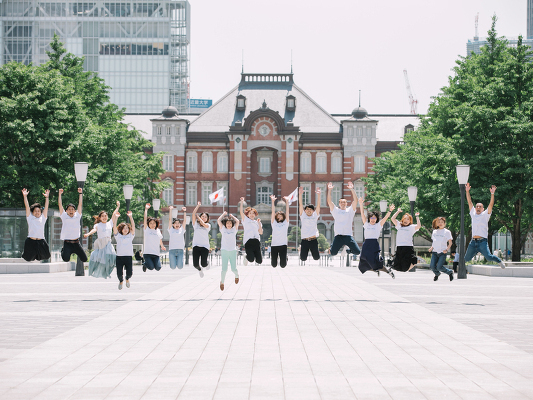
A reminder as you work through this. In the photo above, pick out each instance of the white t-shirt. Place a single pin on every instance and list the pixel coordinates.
(251, 229)
(201, 236)
(309, 225)
(480, 223)
(229, 238)
(279, 233)
(372, 231)
(177, 238)
(71, 226)
(36, 226)
(104, 230)
(124, 244)
(343, 221)
(152, 239)
(440, 239)
(405, 234)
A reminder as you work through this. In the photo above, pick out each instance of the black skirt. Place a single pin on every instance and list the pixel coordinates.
(404, 258)
(370, 258)
(36, 250)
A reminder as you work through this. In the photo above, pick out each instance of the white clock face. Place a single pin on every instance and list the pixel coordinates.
(264, 130)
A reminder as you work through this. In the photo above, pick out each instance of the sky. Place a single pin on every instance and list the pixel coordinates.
(342, 46)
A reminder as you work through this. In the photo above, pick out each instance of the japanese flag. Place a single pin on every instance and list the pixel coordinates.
(217, 196)
(293, 196)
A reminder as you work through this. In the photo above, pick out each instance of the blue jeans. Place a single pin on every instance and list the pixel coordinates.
(151, 261)
(344, 240)
(175, 257)
(437, 264)
(480, 246)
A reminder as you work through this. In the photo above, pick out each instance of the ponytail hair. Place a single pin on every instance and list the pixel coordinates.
(435, 223)
(98, 218)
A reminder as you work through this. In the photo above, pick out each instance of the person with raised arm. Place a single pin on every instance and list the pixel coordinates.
(176, 243)
(343, 216)
(371, 259)
(280, 226)
(35, 245)
(405, 258)
(103, 258)
(70, 229)
(124, 234)
(309, 217)
(480, 228)
(200, 240)
(441, 244)
(228, 226)
(253, 229)
(153, 242)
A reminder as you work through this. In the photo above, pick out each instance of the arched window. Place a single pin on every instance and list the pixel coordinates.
(336, 163)
(207, 161)
(222, 162)
(305, 162)
(192, 161)
(321, 163)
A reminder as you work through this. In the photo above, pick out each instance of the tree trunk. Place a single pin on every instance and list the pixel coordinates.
(516, 238)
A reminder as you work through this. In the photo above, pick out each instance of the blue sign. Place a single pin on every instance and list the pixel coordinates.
(200, 103)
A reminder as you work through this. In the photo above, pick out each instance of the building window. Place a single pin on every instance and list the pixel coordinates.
(168, 130)
(323, 193)
(222, 162)
(167, 196)
(241, 103)
(408, 128)
(305, 163)
(192, 198)
(192, 161)
(207, 189)
(321, 163)
(207, 161)
(263, 195)
(359, 188)
(306, 195)
(168, 163)
(224, 185)
(264, 165)
(159, 130)
(336, 163)
(359, 131)
(359, 162)
(336, 192)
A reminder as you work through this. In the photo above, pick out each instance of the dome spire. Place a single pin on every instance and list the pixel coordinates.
(359, 112)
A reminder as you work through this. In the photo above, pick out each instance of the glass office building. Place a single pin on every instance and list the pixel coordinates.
(140, 48)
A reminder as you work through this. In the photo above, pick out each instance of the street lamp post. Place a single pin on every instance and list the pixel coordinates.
(80, 169)
(128, 193)
(412, 191)
(156, 203)
(187, 232)
(462, 176)
(383, 209)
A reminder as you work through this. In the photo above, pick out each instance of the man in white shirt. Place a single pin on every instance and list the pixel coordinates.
(480, 228)
(70, 231)
(343, 216)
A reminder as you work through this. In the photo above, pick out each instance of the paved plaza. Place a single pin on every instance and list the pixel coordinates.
(305, 332)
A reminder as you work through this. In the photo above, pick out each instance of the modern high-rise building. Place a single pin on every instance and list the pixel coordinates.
(530, 19)
(140, 48)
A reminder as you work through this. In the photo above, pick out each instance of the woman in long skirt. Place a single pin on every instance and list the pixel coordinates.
(370, 258)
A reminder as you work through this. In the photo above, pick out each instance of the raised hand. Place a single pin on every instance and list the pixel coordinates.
(492, 189)
(46, 193)
(467, 186)
(118, 203)
(417, 214)
(117, 213)
(170, 208)
(25, 192)
(330, 185)
(286, 198)
(301, 190)
(61, 191)
(199, 204)
(272, 197)
(317, 191)
(392, 207)
(242, 199)
(80, 190)
(350, 185)
(147, 206)
(360, 201)
(183, 208)
(224, 213)
(399, 210)
(258, 220)
(129, 214)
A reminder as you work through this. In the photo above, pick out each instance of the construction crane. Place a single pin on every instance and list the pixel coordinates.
(412, 101)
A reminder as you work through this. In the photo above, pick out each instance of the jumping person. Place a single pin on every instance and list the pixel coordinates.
(124, 234)
(343, 216)
(480, 228)
(228, 229)
(309, 217)
(70, 231)
(35, 245)
(371, 258)
(176, 243)
(253, 229)
(442, 243)
(103, 257)
(200, 240)
(405, 258)
(153, 242)
(280, 225)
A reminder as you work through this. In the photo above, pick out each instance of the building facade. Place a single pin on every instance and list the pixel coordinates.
(140, 48)
(268, 137)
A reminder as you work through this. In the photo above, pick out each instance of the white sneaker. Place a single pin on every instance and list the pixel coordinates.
(201, 273)
(120, 286)
(502, 265)
(127, 284)
(245, 261)
(208, 267)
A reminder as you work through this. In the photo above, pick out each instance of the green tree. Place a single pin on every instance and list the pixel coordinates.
(323, 243)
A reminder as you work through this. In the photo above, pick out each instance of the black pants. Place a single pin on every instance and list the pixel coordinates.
(253, 251)
(124, 261)
(282, 252)
(455, 264)
(197, 253)
(36, 250)
(309, 245)
(70, 248)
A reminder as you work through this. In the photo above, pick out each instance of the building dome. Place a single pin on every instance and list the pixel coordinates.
(170, 112)
(359, 113)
